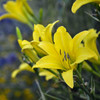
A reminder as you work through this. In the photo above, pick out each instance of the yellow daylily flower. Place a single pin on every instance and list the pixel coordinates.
(22, 67)
(27, 48)
(90, 42)
(78, 3)
(42, 33)
(17, 10)
(65, 54)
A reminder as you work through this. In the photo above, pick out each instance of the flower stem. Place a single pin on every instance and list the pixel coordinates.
(31, 26)
(82, 85)
(42, 94)
(53, 97)
(95, 73)
(96, 68)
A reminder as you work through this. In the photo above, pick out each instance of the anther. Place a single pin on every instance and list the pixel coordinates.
(60, 51)
(68, 56)
(40, 39)
(65, 56)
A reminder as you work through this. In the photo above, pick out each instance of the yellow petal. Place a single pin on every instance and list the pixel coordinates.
(49, 48)
(48, 32)
(78, 3)
(38, 32)
(47, 74)
(22, 67)
(42, 33)
(38, 49)
(25, 44)
(20, 43)
(85, 54)
(27, 47)
(68, 78)
(11, 16)
(62, 40)
(49, 62)
(10, 6)
(90, 40)
(78, 39)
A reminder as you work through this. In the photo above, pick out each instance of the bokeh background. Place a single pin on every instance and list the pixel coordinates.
(24, 87)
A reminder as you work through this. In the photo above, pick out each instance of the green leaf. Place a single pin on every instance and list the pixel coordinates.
(41, 15)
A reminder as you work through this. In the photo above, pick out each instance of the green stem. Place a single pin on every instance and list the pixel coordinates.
(95, 73)
(97, 96)
(70, 94)
(96, 68)
(31, 26)
(42, 94)
(53, 97)
(36, 19)
(83, 86)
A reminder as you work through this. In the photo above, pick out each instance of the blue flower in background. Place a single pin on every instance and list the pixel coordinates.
(11, 58)
(2, 62)
(6, 25)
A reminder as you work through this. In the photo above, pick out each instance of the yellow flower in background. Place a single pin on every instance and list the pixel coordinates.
(90, 42)
(65, 54)
(18, 10)
(78, 3)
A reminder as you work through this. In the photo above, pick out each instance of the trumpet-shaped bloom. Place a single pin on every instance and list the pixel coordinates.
(42, 33)
(16, 10)
(65, 54)
(90, 42)
(78, 3)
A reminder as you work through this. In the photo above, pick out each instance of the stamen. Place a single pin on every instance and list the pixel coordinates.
(60, 51)
(83, 43)
(40, 39)
(68, 56)
(65, 56)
